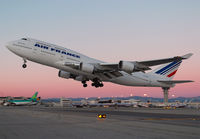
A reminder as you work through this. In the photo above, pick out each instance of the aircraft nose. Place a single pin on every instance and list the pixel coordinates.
(9, 45)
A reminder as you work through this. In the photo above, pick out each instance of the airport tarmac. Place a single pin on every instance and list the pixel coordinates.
(69, 123)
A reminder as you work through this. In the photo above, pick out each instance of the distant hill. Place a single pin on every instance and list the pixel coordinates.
(143, 99)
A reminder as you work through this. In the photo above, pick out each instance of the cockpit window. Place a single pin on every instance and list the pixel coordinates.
(24, 39)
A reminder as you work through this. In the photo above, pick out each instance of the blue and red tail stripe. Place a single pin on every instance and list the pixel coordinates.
(171, 74)
(169, 68)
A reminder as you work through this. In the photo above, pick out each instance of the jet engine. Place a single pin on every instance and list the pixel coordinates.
(64, 74)
(126, 66)
(87, 67)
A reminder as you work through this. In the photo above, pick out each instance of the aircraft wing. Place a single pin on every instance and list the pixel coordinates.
(143, 65)
(71, 64)
(112, 70)
(166, 60)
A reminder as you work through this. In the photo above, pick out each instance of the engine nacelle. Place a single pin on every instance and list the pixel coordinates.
(64, 74)
(87, 67)
(126, 66)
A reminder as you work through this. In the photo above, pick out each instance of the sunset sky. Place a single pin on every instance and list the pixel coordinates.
(109, 30)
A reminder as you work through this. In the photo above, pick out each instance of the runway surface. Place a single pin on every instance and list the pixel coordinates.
(69, 123)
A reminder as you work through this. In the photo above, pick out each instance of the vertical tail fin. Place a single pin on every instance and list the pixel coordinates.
(34, 96)
(168, 70)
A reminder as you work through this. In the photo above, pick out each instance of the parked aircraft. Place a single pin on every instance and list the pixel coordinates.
(15, 102)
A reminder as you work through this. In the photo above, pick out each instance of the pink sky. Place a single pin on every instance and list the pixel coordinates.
(109, 31)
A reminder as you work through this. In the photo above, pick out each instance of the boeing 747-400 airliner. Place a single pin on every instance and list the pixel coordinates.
(82, 68)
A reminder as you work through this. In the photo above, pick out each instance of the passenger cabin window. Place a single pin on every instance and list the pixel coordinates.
(24, 39)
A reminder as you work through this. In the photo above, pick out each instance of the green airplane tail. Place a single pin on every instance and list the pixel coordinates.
(34, 97)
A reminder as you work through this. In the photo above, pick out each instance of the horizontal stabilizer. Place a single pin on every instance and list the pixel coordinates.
(176, 81)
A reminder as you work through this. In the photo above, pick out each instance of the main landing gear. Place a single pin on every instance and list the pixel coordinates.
(97, 83)
(24, 65)
(84, 83)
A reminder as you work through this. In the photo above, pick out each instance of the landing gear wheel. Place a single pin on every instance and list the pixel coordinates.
(83, 82)
(96, 85)
(101, 85)
(24, 65)
(84, 85)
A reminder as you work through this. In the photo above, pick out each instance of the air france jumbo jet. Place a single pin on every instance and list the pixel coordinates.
(82, 68)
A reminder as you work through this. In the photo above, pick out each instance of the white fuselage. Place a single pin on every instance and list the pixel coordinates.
(55, 56)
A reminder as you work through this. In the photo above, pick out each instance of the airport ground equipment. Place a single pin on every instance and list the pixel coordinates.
(101, 116)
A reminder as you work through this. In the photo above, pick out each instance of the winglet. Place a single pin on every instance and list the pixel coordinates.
(187, 56)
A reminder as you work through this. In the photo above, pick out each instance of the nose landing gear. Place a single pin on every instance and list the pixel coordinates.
(24, 65)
